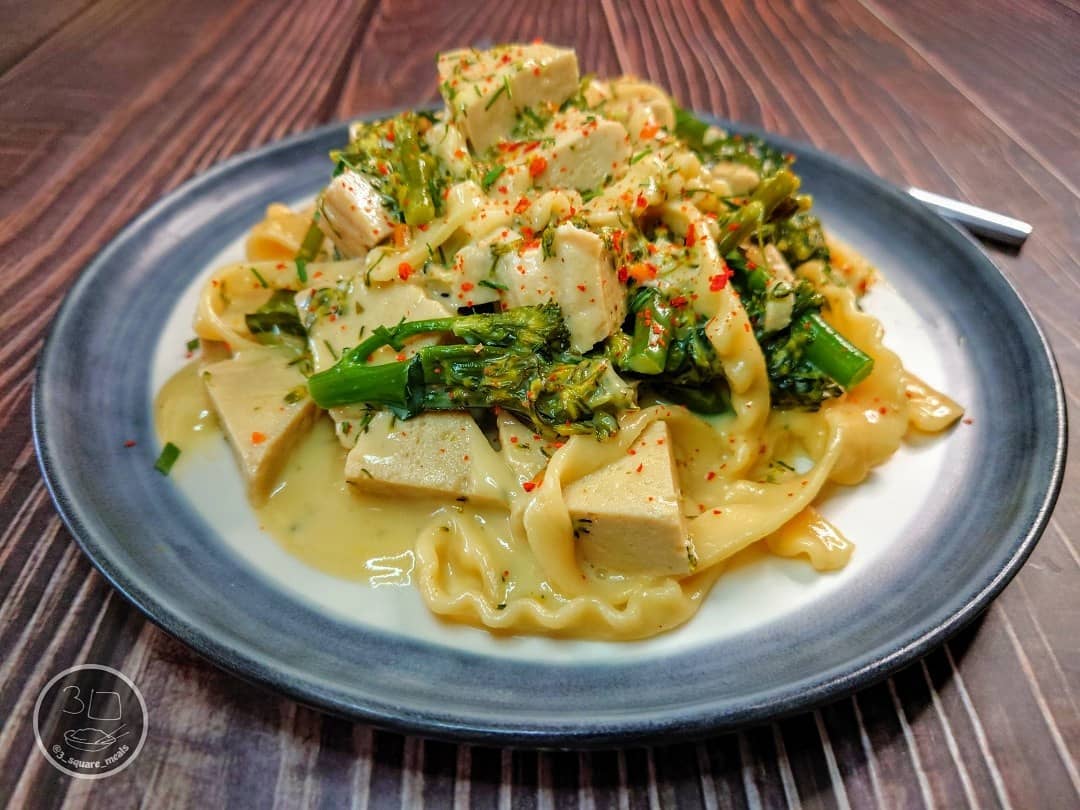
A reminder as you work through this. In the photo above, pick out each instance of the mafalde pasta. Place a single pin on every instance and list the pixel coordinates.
(552, 356)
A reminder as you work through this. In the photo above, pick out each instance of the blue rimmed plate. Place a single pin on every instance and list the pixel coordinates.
(940, 529)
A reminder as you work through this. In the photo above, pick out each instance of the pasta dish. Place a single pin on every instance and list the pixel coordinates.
(551, 355)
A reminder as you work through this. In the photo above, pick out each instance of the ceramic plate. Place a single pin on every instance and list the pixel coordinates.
(939, 529)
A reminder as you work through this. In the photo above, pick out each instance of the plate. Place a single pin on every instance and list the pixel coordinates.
(939, 530)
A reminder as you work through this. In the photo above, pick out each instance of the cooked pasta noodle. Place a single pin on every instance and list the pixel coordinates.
(578, 347)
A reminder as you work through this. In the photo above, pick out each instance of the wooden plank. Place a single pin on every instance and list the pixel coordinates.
(983, 47)
(27, 25)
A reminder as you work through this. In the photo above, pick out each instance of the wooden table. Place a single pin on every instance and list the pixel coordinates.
(107, 105)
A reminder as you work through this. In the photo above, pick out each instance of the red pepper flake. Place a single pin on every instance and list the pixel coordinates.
(537, 166)
(640, 467)
(648, 132)
(710, 476)
(129, 443)
(679, 301)
(383, 169)
(632, 451)
(466, 286)
(400, 357)
(883, 410)
(717, 512)
(257, 437)
(536, 71)
(691, 237)
(623, 274)
(581, 287)
(720, 280)
(529, 486)
(521, 206)
(404, 270)
(641, 202)
(400, 232)
(969, 421)
(513, 440)
(651, 248)
(734, 226)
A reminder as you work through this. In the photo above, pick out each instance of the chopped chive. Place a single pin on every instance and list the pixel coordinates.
(192, 344)
(504, 89)
(301, 270)
(330, 349)
(643, 153)
(259, 278)
(169, 454)
(494, 285)
(313, 240)
(491, 176)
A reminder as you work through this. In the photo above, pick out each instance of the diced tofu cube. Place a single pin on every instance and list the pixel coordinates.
(263, 406)
(486, 90)
(353, 215)
(336, 319)
(438, 455)
(579, 276)
(587, 153)
(627, 515)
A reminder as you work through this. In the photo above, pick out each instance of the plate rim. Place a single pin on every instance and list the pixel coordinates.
(675, 725)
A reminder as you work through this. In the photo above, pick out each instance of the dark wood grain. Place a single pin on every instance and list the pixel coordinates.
(106, 105)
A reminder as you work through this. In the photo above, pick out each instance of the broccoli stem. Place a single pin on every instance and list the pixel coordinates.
(832, 353)
(397, 386)
(742, 222)
(417, 203)
(652, 336)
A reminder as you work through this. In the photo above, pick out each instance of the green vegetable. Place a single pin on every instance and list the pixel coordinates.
(277, 322)
(192, 344)
(491, 176)
(516, 360)
(169, 454)
(310, 247)
(713, 144)
(831, 352)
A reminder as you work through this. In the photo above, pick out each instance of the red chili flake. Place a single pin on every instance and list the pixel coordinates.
(623, 274)
(632, 451)
(383, 169)
(710, 476)
(502, 189)
(720, 280)
(527, 233)
(717, 512)
(513, 440)
(679, 301)
(529, 486)
(734, 226)
(536, 71)
(257, 437)
(648, 132)
(640, 467)
(129, 443)
(641, 202)
(521, 206)
(404, 270)
(883, 410)
(969, 421)
(400, 232)
(691, 237)
(466, 286)
(581, 287)
(537, 166)
(400, 357)
(651, 248)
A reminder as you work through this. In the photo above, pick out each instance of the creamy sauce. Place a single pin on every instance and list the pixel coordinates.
(319, 518)
(183, 414)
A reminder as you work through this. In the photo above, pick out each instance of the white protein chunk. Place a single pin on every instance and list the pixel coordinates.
(353, 215)
(439, 455)
(486, 90)
(627, 515)
(264, 408)
(578, 276)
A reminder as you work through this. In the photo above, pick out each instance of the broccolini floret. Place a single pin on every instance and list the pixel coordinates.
(515, 360)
